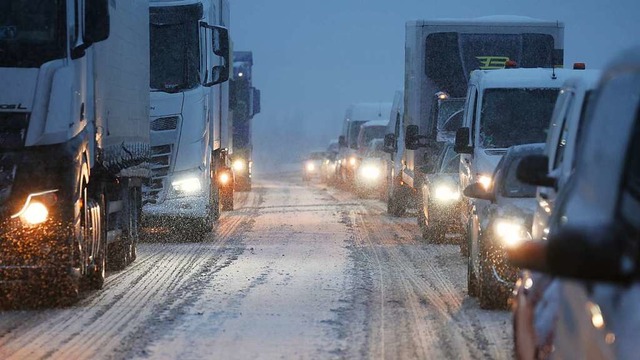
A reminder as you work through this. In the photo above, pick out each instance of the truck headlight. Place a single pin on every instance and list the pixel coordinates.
(239, 165)
(188, 185)
(224, 178)
(36, 208)
(370, 172)
(485, 181)
(511, 232)
(310, 167)
(353, 161)
(446, 193)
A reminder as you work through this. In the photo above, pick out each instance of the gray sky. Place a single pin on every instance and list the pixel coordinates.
(313, 58)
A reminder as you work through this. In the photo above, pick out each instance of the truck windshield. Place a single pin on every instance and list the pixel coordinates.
(354, 131)
(371, 132)
(32, 32)
(175, 48)
(515, 116)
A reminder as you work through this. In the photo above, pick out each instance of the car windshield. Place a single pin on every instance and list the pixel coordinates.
(354, 131)
(372, 132)
(450, 162)
(515, 116)
(32, 32)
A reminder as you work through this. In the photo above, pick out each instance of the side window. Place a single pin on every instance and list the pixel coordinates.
(475, 116)
(564, 134)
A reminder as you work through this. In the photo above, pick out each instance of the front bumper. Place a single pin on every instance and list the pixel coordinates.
(191, 207)
(447, 215)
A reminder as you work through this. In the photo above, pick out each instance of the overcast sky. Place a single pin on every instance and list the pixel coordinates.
(313, 58)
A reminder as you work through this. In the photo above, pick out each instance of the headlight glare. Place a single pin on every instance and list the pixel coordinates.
(310, 167)
(36, 208)
(485, 181)
(224, 178)
(511, 232)
(239, 165)
(188, 185)
(446, 193)
(370, 172)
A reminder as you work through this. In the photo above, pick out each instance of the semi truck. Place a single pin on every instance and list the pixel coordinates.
(244, 103)
(439, 56)
(190, 61)
(74, 141)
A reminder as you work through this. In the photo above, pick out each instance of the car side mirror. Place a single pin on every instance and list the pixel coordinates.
(389, 143)
(533, 170)
(593, 253)
(256, 101)
(342, 141)
(461, 145)
(412, 137)
(477, 191)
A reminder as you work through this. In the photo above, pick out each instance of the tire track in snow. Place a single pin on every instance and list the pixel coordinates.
(102, 321)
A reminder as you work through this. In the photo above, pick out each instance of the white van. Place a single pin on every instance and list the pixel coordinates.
(504, 107)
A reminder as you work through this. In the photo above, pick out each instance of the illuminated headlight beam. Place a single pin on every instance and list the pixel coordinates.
(189, 185)
(446, 193)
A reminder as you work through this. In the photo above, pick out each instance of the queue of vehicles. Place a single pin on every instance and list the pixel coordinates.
(134, 122)
(538, 222)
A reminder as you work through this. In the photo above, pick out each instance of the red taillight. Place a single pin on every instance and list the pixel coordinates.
(579, 66)
(510, 64)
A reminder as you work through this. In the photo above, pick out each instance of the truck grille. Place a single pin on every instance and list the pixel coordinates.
(164, 123)
(13, 130)
(160, 166)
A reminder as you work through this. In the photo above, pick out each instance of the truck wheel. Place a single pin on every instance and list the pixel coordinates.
(397, 203)
(214, 204)
(124, 252)
(94, 232)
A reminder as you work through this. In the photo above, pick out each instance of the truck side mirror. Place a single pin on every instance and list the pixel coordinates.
(256, 101)
(342, 141)
(389, 143)
(412, 137)
(461, 145)
(221, 48)
(97, 24)
(532, 169)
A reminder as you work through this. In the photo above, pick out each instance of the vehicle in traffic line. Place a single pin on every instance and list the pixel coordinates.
(504, 107)
(439, 56)
(355, 116)
(370, 178)
(556, 164)
(312, 165)
(591, 249)
(503, 223)
(397, 194)
(190, 65)
(442, 198)
(74, 143)
(244, 104)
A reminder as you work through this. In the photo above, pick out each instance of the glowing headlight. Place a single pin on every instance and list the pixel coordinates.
(352, 161)
(310, 167)
(36, 208)
(189, 185)
(224, 178)
(485, 181)
(239, 165)
(446, 193)
(370, 172)
(511, 232)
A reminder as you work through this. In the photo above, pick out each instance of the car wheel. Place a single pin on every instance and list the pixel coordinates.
(490, 293)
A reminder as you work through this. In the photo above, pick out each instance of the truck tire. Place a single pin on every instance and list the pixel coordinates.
(94, 230)
(472, 280)
(396, 205)
(124, 252)
(490, 295)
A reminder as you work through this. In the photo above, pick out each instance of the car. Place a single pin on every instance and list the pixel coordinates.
(328, 166)
(506, 220)
(311, 165)
(591, 248)
(441, 197)
(558, 161)
(370, 177)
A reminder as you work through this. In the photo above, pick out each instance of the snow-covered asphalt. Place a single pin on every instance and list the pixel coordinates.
(296, 271)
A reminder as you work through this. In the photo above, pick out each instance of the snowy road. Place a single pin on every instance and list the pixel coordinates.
(296, 271)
